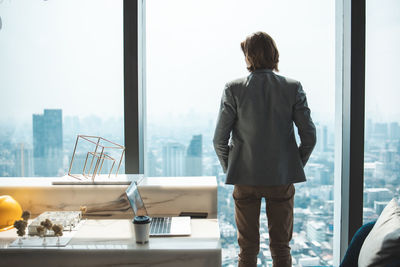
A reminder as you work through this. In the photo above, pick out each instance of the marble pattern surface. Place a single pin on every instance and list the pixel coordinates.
(161, 195)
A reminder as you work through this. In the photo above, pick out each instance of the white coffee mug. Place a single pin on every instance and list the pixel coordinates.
(142, 229)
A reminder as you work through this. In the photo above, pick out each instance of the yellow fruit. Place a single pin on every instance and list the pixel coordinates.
(10, 211)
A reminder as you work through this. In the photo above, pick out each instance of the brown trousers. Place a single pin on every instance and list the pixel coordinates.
(279, 208)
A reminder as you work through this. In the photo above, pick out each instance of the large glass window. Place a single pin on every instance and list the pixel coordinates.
(193, 49)
(382, 112)
(61, 75)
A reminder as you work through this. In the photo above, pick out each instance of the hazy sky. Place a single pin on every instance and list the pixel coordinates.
(68, 54)
(61, 54)
(193, 49)
(382, 60)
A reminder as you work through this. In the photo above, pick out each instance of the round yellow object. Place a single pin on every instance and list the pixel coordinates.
(10, 211)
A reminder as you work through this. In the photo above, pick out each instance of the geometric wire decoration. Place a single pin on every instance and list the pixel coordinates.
(99, 155)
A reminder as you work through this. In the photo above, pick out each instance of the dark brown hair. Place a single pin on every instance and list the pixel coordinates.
(261, 52)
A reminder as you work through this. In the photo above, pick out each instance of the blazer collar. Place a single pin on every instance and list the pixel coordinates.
(262, 70)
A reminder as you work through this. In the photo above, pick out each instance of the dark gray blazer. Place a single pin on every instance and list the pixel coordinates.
(259, 111)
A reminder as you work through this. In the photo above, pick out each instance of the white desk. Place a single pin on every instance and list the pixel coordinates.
(112, 243)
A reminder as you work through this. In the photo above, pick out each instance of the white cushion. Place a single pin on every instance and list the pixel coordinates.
(382, 244)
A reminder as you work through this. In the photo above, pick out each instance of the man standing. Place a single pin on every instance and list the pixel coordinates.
(255, 142)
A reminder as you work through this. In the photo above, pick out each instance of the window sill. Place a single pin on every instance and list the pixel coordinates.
(161, 195)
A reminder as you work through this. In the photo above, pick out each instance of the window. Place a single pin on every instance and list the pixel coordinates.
(192, 54)
(61, 75)
(382, 125)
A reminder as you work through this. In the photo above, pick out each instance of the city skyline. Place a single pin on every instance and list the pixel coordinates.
(379, 131)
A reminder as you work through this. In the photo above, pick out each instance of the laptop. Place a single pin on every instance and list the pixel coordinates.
(159, 226)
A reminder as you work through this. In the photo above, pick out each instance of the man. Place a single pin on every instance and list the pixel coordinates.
(261, 158)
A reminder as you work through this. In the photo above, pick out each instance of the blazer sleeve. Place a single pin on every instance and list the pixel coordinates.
(225, 122)
(304, 124)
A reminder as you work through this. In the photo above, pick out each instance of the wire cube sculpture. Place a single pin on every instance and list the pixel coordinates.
(96, 151)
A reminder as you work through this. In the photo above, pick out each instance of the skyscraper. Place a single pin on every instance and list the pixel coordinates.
(318, 146)
(380, 131)
(194, 157)
(48, 142)
(23, 161)
(173, 159)
(394, 131)
(325, 138)
(152, 167)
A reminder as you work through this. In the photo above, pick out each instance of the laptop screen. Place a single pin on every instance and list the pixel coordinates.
(135, 200)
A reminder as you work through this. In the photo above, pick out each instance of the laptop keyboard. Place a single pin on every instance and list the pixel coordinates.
(160, 226)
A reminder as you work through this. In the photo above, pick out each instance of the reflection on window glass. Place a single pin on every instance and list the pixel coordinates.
(61, 75)
(382, 112)
(193, 49)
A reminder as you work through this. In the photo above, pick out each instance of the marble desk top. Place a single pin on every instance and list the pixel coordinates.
(112, 242)
(161, 195)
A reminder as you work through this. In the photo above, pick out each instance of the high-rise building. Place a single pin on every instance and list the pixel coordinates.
(376, 194)
(194, 157)
(308, 261)
(216, 169)
(325, 138)
(173, 159)
(379, 206)
(152, 165)
(48, 143)
(23, 161)
(7, 168)
(324, 176)
(380, 131)
(394, 131)
(318, 145)
(316, 231)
